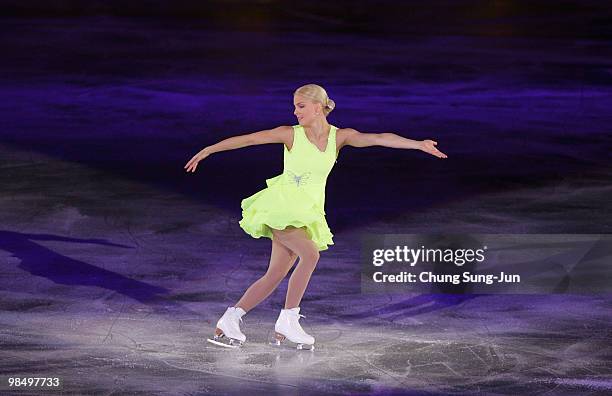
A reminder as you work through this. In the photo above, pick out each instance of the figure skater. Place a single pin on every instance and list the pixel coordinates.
(290, 211)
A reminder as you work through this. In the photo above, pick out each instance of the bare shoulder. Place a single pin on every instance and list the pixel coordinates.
(285, 129)
(342, 134)
(286, 134)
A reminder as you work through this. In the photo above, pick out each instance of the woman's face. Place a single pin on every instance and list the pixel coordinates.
(305, 110)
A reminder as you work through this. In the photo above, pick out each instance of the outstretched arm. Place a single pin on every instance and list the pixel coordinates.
(280, 134)
(358, 139)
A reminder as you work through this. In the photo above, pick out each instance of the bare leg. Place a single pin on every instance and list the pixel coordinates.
(281, 261)
(297, 241)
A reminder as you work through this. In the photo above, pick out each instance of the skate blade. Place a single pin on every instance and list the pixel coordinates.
(223, 344)
(280, 341)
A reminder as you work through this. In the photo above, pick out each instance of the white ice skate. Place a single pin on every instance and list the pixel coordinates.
(288, 326)
(227, 333)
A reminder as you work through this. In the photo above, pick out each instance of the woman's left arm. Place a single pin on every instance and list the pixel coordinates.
(358, 139)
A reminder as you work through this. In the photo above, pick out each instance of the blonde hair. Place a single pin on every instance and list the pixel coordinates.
(316, 93)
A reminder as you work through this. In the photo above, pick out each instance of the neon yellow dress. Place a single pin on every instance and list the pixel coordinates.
(296, 197)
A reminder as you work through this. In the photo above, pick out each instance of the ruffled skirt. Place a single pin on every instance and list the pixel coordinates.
(281, 205)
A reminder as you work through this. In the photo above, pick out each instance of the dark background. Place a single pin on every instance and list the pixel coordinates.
(116, 264)
(517, 93)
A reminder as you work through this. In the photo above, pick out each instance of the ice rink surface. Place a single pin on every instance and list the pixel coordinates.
(116, 264)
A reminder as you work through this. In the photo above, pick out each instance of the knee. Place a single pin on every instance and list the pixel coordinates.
(311, 257)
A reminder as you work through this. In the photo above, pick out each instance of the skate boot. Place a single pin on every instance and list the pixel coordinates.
(288, 327)
(228, 332)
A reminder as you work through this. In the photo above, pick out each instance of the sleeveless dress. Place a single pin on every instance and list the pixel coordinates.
(296, 197)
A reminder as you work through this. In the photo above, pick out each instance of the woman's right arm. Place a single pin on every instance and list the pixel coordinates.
(281, 134)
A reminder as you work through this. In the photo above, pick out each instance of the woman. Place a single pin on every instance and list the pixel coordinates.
(290, 211)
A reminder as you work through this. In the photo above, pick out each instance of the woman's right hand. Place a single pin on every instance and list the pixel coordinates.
(193, 162)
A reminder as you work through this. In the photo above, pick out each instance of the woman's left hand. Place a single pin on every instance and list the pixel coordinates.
(428, 146)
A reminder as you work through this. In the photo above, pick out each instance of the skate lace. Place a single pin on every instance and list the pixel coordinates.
(297, 323)
(239, 318)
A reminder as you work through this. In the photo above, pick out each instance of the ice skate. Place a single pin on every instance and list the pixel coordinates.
(288, 327)
(227, 332)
